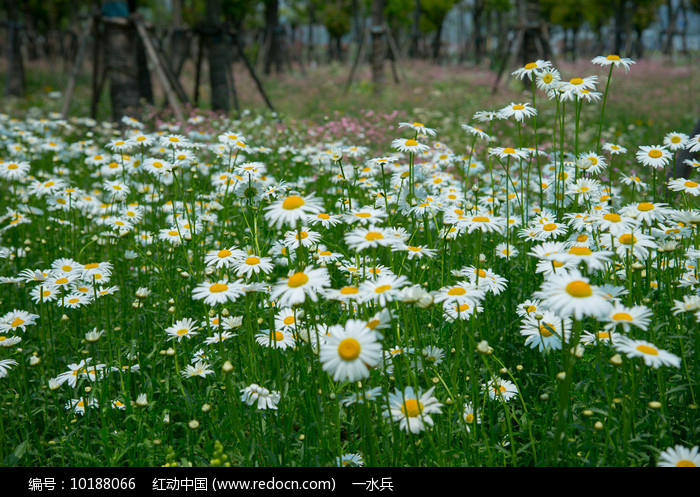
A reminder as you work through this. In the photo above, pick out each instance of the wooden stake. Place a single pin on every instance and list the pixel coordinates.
(160, 71)
(251, 70)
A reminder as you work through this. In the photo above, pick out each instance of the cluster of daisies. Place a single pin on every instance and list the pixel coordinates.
(337, 259)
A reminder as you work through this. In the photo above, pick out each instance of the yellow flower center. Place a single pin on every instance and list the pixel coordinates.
(480, 219)
(613, 57)
(182, 331)
(323, 215)
(518, 107)
(579, 289)
(685, 463)
(73, 300)
(349, 349)
(622, 316)
(292, 202)
(373, 235)
(546, 329)
(277, 336)
(549, 227)
(580, 251)
(218, 288)
(531, 65)
(581, 238)
(462, 307)
(627, 239)
(547, 78)
(325, 253)
(508, 150)
(414, 249)
(349, 290)
(645, 349)
(17, 322)
(301, 236)
(411, 143)
(12, 166)
(576, 81)
(675, 139)
(412, 408)
(645, 206)
(612, 217)
(458, 290)
(382, 288)
(297, 280)
(655, 154)
(690, 184)
(61, 281)
(252, 260)
(363, 214)
(288, 320)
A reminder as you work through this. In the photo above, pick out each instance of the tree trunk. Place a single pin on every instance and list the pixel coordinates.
(413, 49)
(178, 40)
(501, 33)
(273, 54)
(619, 26)
(144, 75)
(478, 39)
(311, 49)
(640, 43)
(670, 28)
(529, 11)
(15, 73)
(437, 41)
(378, 45)
(120, 56)
(216, 47)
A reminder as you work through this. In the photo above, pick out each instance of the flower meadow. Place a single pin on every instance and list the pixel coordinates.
(234, 292)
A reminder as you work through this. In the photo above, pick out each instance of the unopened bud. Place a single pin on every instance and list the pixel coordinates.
(484, 348)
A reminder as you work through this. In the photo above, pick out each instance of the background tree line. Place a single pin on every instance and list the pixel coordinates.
(282, 35)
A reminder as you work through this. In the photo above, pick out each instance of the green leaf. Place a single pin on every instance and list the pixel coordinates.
(14, 458)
